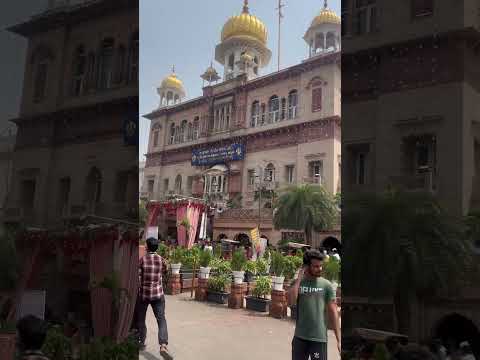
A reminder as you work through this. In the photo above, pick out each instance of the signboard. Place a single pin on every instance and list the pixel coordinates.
(218, 155)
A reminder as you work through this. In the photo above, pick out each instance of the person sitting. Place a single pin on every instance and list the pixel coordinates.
(32, 333)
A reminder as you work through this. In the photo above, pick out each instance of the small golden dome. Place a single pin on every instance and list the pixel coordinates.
(326, 16)
(245, 24)
(172, 81)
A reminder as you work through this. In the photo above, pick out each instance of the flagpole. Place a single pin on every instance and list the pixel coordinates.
(280, 16)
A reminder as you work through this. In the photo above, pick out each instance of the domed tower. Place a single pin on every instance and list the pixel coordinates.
(243, 47)
(171, 90)
(324, 34)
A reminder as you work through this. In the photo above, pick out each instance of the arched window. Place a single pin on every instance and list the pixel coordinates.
(190, 132)
(93, 189)
(79, 69)
(222, 118)
(284, 109)
(106, 64)
(255, 114)
(269, 173)
(316, 98)
(177, 134)
(41, 60)
(176, 100)
(319, 43)
(133, 59)
(196, 128)
(292, 104)
(120, 64)
(183, 131)
(262, 122)
(169, 98)
(231, 62)
(172, 134)
(255, 68)
(178, 184)
(273, 109)
(228, 112)
(91, 70)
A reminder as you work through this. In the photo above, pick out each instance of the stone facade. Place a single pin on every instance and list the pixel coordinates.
(409, 79)
(304, 138)
(80, 87)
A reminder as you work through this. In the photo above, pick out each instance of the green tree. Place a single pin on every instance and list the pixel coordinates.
(402, 245)
(306, 207)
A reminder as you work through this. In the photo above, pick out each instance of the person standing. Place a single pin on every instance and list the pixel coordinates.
(151, 266)
(314, 296)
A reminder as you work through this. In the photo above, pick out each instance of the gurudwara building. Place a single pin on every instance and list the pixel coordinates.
(251, 131)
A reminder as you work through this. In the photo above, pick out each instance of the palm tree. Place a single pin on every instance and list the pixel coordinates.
(306, 207)
(402, 245)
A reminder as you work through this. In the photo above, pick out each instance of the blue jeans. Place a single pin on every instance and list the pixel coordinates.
(158, 307)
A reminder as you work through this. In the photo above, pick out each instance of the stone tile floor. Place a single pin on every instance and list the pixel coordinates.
(204, 331)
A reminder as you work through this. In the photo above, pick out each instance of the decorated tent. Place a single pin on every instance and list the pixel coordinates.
(186, 211)
(99, 260)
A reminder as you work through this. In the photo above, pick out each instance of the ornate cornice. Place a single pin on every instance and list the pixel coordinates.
(209, 92)
(276, 138)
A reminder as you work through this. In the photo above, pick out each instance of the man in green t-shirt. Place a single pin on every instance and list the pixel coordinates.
(314, 296)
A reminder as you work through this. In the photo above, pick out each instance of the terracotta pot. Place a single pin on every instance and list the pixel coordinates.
(7, 346)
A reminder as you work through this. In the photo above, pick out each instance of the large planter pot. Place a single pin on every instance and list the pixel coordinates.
(257, 304)
(217, 297)
(175, 268)
(7, 346)
(277, 282)
(204, 273)
(238, 277)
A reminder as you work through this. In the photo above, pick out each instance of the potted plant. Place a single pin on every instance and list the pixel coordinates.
(277, 268)
(7, 340)
(162, 250)
(238, 264)
(205, 260)
(250, 270)
(262, 266)
(259, 301)
(176, 258)
(331, 271)
(216, 288)
(292, 265)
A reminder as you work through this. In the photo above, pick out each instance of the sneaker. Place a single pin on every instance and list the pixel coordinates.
(164, 353)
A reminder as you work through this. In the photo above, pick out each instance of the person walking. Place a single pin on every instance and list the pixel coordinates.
(151, 266)
(314, 296)
(32, 333)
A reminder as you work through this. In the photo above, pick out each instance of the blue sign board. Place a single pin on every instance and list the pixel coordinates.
(218, 155)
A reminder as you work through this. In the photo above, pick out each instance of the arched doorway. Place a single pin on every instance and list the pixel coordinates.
(455, 328)
(330, 243)
(244, 239)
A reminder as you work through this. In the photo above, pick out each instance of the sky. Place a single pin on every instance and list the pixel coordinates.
(184, 33)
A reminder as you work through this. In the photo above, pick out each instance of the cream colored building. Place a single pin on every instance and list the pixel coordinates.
(286, 123)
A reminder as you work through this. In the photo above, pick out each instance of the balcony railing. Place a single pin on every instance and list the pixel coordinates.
(317, 180)
(418, 182)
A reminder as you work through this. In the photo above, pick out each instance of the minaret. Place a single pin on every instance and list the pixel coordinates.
(243, 36)
(324, 34)
(171, 90)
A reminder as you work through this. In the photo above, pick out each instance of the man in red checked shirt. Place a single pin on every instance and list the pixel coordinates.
(150, 269)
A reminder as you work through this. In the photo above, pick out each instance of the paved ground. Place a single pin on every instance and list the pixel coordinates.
(204, 331)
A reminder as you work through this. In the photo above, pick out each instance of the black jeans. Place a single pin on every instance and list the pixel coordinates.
(158, 307)
(305, 350)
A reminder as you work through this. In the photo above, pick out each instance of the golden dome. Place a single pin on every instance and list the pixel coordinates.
(172, 81)
(326, 16)
(243, 25)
